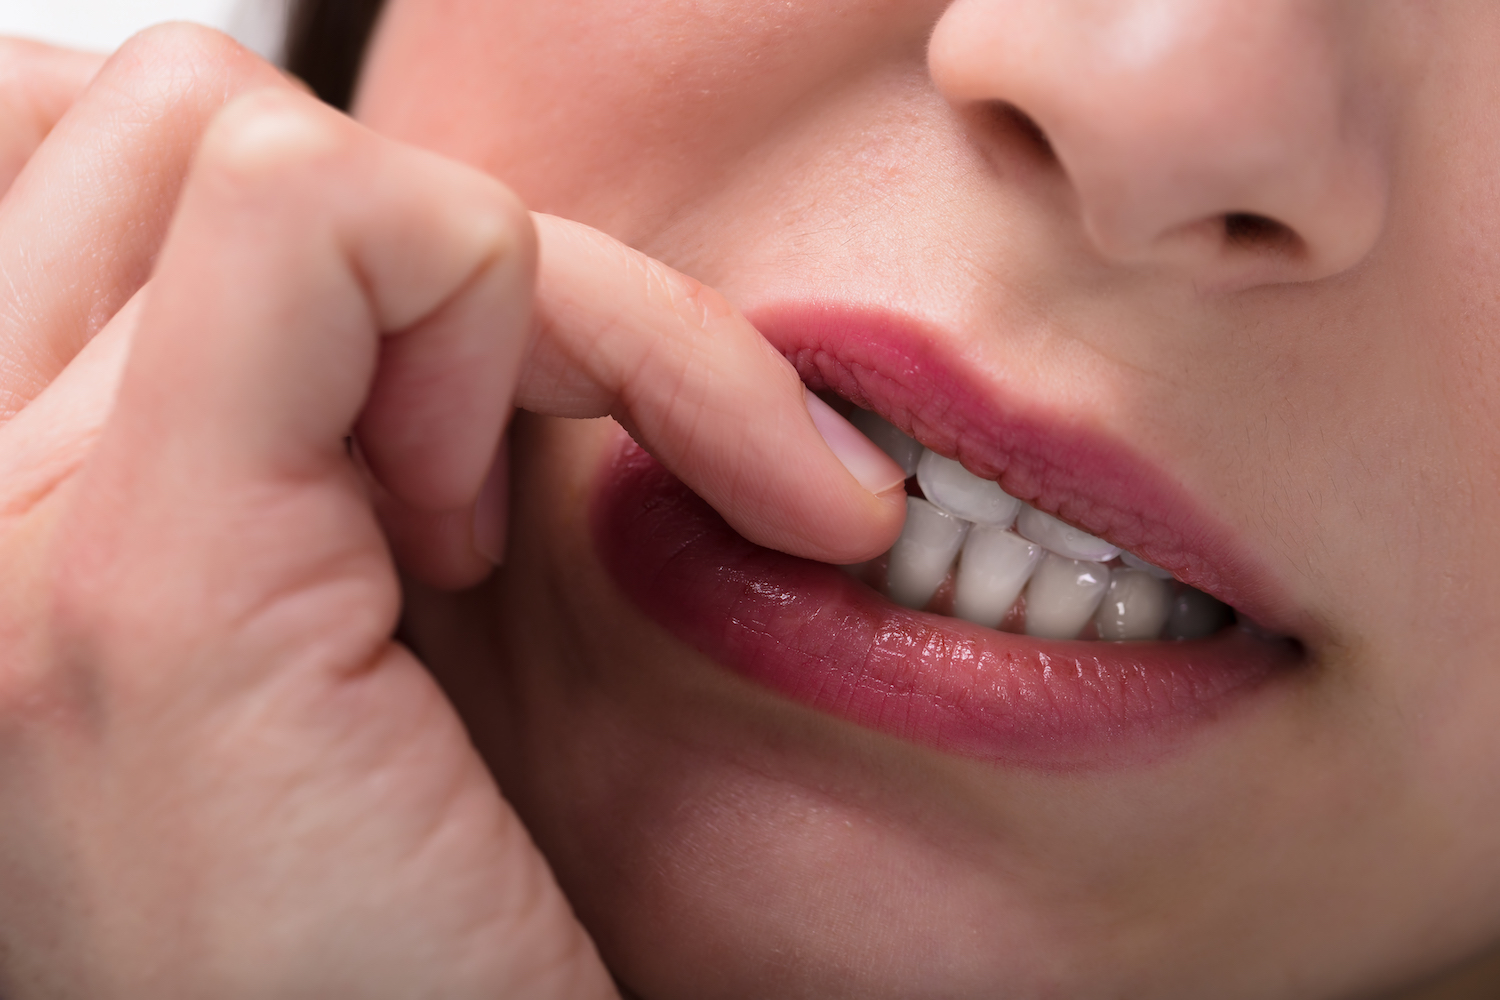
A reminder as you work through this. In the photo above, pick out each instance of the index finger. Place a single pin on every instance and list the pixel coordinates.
(707, 395)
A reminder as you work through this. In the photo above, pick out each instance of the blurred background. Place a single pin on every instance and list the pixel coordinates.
(102, 25)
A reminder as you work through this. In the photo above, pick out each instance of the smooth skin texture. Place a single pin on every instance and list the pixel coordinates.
(220, 772)
(1321, 370)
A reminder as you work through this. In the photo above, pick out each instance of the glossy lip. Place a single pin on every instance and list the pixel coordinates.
(810, 632)
(815, 635)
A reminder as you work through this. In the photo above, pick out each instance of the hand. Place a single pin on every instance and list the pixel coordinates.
(220, 774)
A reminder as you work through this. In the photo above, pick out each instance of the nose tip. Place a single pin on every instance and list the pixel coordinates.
(1215, 137)
(1261, 183)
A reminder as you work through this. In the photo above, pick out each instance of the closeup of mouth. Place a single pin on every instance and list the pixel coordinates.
(972, 551)
(1053, 600)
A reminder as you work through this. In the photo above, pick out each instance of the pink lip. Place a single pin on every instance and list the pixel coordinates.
(815, 635)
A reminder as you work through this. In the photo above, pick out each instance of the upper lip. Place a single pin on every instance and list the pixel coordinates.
(903, 370)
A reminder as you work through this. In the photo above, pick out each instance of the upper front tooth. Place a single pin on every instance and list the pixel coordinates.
(1062, 595)
(963, 494)
(1136, 562)
(1064, 539)
(995, 565)
(1135, 606)
(920, 558)
(903, 449)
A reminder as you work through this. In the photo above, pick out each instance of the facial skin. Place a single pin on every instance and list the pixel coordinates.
(1326, 386)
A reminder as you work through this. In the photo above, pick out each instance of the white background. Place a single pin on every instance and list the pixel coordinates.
(102, 25)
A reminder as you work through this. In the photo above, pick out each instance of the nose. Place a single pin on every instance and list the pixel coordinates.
(1229, 139)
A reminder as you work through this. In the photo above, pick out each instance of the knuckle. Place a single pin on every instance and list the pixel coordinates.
(179, 48)
(517, 228)
(179, 69)
(266, 138)
(512, 237)
(477, 212)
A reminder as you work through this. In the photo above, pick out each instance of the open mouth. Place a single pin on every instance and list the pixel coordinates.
(970, 550)
(1062, 604)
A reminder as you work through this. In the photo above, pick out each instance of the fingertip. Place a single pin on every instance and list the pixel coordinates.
(876, 518)
(164, 56)
(871, 468)
(850, 529)
(881, 529)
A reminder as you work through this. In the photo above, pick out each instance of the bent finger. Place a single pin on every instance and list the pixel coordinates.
(318, 281)
(38, 84)
(707, 395)
(84, 220)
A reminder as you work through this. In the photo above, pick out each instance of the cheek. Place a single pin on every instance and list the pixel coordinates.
(599, 111)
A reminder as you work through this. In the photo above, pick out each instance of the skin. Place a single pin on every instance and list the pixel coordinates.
(205, 725)
(1335, 838)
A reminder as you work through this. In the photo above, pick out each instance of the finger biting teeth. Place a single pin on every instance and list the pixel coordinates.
(976, 553)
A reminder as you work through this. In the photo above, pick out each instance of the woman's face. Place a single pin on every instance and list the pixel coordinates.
(1216, 279)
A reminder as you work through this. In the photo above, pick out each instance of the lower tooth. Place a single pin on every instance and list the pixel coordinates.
(1135, 606)
(1062, 596)
(1195, 615)
(920, 559)
(995, 565)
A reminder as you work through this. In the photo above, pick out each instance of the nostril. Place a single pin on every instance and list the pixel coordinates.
(1250, 231)
(1026, 129)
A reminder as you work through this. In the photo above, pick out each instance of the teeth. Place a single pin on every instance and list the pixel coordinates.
(1060, 568)
(995, 565)
(1135, 606)
(1195, 615)
(963, 494)
(1062, 596)
(1136, 562)
(1063, 539)
(903, 449)
(920, 558)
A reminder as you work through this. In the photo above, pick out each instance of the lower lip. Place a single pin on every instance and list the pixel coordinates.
(813, 634)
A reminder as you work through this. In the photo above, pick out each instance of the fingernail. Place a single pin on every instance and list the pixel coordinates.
(492, 510)
(865, 461)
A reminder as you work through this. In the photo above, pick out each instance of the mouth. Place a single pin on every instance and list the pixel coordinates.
(1054, 600)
